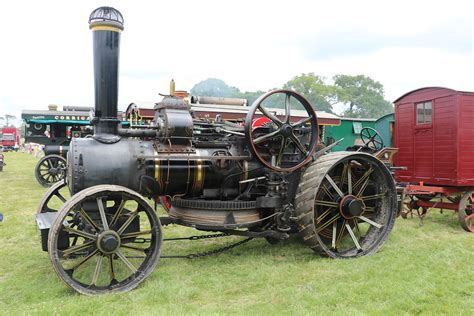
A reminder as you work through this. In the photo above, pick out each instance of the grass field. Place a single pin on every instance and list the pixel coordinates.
(420, 270)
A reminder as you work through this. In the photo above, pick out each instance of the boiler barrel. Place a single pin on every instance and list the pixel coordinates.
(136, 165)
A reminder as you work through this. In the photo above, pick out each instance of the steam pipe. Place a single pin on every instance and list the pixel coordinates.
(106, 24)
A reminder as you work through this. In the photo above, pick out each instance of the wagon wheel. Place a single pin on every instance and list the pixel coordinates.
(271, 149)
(54, 198)
(466, 212)
(371, 138)
(346, 204)
(50, 169)
(97, 246)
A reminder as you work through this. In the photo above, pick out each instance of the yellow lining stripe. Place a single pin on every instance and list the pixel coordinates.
(105, 28)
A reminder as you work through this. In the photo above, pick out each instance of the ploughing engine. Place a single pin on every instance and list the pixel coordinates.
(254, 180)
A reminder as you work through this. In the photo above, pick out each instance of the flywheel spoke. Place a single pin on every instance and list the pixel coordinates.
(302, 122)
(270, 116)
(266, 137)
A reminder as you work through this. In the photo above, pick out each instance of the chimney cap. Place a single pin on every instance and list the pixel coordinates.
(106, 16)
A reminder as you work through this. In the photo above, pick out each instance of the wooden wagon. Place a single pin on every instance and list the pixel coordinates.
(434, 134)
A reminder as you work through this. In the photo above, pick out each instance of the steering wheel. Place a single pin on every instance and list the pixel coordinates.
(371, 138)
(285, 143)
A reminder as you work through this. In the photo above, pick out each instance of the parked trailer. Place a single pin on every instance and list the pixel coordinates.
(434, 134)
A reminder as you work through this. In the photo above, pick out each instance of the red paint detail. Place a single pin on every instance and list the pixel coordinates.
(443, 205)
(259, 122)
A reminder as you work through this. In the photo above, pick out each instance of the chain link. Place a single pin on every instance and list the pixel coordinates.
(210, 252)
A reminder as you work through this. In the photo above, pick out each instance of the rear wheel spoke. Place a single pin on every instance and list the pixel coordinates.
(371, 222)
(334, 185)
(353, 237)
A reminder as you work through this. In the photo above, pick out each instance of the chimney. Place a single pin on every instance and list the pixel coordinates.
(106, 24)
(52, 107)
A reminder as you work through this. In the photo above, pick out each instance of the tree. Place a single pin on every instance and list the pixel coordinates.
(319, 94)
(363, 96)
(213, 87)
(9, 117)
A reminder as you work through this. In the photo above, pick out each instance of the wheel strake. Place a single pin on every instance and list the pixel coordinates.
(345, 204)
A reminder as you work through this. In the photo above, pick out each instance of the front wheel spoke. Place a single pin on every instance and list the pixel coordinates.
(373, 197)
(266, 137)
(136, 234)
(80, 233)
(126, 261)
(89, 221)
(270, 115)
(80, 263)
(118, 213)
(298, 144)
(329, 222)
(97, 270)
(100, 204)
(371, 222)
(326, 203)
(353, 236)
(127, 222)
(59, 195)
(334, 185)
(77, 248)
(111, 267)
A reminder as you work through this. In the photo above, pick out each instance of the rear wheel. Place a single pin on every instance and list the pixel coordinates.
(346, 204)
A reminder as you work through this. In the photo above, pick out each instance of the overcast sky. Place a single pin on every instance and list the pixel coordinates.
(46, 50)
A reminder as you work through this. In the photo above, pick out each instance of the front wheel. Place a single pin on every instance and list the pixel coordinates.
(346, 204)
(105, 239)
(50, 170)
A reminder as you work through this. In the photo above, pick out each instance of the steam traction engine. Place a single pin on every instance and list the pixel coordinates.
(265, 181)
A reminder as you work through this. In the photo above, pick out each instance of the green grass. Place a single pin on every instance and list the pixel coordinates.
(427, 270)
